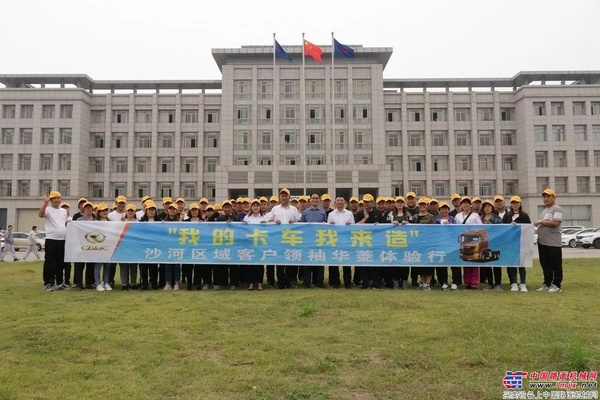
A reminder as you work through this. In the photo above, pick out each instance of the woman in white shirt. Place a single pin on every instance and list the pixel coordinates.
(255, 272)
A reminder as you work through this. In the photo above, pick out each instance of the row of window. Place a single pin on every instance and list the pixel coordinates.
(25, 136)
(461, 138)
(9, 111)
(486, 162)
(145, 116)
(560, 160)
(120, 140)
(557, 108)
(24, 162)
(559, 133)
(290, 89)
(461, 114)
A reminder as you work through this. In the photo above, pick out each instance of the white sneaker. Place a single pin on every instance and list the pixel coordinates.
(544, 288)
(426, 287)
(205, 287)
(445, 286)
(48, 288)
(523, 287)
(100, 287)
(453, 287)
(167, 287)
(176, 287)
(514, 287)
(553, 289)
(107, 286)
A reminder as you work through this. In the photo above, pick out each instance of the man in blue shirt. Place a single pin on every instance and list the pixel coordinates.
(314, 213)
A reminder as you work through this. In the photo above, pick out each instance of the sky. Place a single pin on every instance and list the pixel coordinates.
(161, 40)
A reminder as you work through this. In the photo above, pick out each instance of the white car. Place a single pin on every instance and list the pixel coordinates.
(569, 236)
(21, 241)
(589, 239)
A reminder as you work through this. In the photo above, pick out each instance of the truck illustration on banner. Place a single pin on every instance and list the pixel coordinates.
(474, 246)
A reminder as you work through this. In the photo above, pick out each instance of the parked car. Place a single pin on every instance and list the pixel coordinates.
(569, 236)
(564, 228)
(589, 239)
(21, 242)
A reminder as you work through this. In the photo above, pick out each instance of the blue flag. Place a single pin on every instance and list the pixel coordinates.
(281, 52)
(343, 50)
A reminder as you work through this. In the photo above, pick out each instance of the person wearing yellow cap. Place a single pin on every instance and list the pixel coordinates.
(412, 208)
(490, 275)
(397, 276)
(369, 276)
(149, 272)
(119, 213)
(550, 243)
(468, 217)
(167, 201)
(340, 216)
(55, 222)
(79, 212)
(285, 213)
(500, 206)
(516, 215)
(444, 218)
(128, 271)
(102, 280)
(476, 206)
(255, 273)
(424, 217)
(326, 200)
(315, 214)
(87, 210)
(140, 213)
(455, 200)
(221, 272)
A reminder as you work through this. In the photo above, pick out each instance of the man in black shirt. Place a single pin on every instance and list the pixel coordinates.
(370, 276)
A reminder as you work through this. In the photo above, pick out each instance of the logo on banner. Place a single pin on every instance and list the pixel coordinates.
(95, 239)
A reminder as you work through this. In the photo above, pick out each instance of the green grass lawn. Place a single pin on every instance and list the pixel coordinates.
(292, 344)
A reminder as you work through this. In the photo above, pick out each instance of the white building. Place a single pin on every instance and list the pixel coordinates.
(343, 130)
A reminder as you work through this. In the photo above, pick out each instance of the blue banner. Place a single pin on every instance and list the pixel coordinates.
(300, 244)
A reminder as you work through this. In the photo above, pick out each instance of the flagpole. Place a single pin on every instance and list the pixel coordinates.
(302, 163)
(273, 114)
(333, 106)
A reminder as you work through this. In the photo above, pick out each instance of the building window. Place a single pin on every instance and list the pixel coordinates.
(487, 188)
(340, 89)
(463, 163)
(143, 140)
(463, 138)
(211, 116)
(364, 160)
(362, 88)
(211, 141)
(438, 114)
(314, 89)
(190, 117)
(266, 138)
(8, 135)
(141, 189)
(597, 158)
(581, 159)
(486, 138)
(539, 108)
(118, 189)
(242, 90)
(416, 164)
(64, 187)
(265, 160)
(165, 140)
(439, 138)
(485, 114)
(265, 114)
(558, 131)
(314, 115)
(583, 184)
(315, 160)
(265, 90)
(119, 165)
(120, 117)
(315, 140)
(417, 186)
(24, 162)
(290, 140)
(24, 188)
(6, 162)
(596, 133)
(242, 115)
(98, 140)
(65, 135)
(165, 165)
(507, 114)
(561, 184)
(462, 114)
(47, 136)
(5, 188)
(557, 108)
(541, 159)
(27, 112)
(509, 138)
(395, 163)
(97, 189)
(64, 162)
(241, 141)
(45, 187)
(289, 160)
(190, 141)
(464, 187)
(393, 139)
(46, 162)
(66, 111)
(441, 188)
(97, 165)
(560, 159)
(595, 107)
(26, 136)
(188, 165)
(142, 164)
(539, 133)
(440, 163)
(415, 138)
(97, 117)
(393, 115)
(340, 115)
(580, 133)
(189, 189)
(8, 112)
(166, 116)
(509, 163)
(143, 116)
(415, 114)
(342, 159)
(487, 163)
(579, 108)
(289, 114)
(210, 164)
(119, 141)
(48, 111)
(510, 187)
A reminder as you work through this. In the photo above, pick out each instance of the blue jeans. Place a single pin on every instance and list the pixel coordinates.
(172, 273)
(97, 268)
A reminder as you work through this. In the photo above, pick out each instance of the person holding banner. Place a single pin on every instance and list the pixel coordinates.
(193, 272)
(149, 271)
(514, 216)
(129, 270)
(284, 213)
(444, 218)
(398, 275)
(493, 275)
(102, 284)
(56, 232)
(370, 276)
(340, 216)
(468, 217)
(424, 217)
(255, 272)
(316, 214)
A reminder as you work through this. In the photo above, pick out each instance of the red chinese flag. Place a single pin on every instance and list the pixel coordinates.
(313, 51)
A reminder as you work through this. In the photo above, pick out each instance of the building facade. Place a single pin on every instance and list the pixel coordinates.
(337, 127)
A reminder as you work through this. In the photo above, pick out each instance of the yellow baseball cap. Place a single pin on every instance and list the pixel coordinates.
(433, 201)
(82, 200)
(474, 199)
(203, 200)
(217, 207)
(411, 194)
(400, 198)
(257, 201)
(150, 204)
(326, 196)
(239, 200)
(131, 207)
(274, 198)
(87, 203)
(102, 207)
(515, 198)
(498, 197)
(64, 204)
(180, 199)
(54, 194)
(353, 198)
(263, 198)
(368, 197)
(380, 199)
(487, 202)
(173, 205)
(209, 207)
(423, 200)
(226, 203)
(549, 192)
(121, 199)
(145, 199)
(167, 200)
(455, 196)
(284, 190)
(465, 198)
(444, 204)
(304, 198)
(294, 200)
(194, 206)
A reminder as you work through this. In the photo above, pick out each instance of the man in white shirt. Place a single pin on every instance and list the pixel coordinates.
(119, 213)
(56, 233)
(284, 213)
(340, 216)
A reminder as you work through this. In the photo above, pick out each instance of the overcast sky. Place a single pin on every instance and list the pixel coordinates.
(149, 39)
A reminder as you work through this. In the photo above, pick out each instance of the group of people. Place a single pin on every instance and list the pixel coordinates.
(283, 209)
